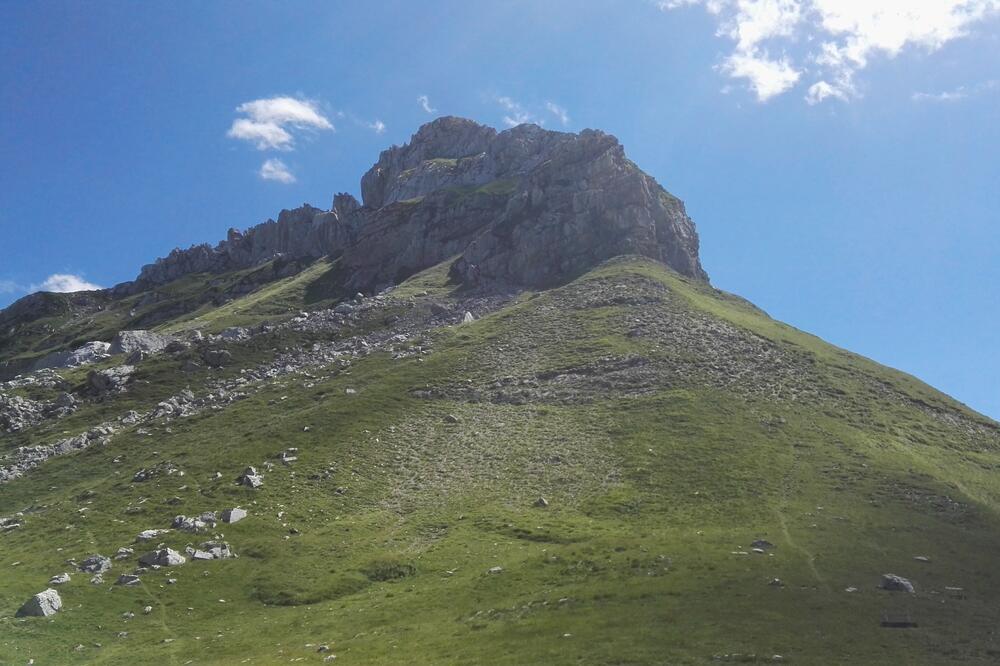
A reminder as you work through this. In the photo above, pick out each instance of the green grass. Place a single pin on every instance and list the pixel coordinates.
(632, 561)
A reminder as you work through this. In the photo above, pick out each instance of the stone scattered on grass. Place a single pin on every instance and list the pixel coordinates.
(233, 515)
(250, 478)
(59, 579)
(45, 603)
(162, 557)
(895, 583)
(95, 564)
(150, 535)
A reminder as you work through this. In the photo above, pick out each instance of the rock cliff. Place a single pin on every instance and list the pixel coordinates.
(522, 207)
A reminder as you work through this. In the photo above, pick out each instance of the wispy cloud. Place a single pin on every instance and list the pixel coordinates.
(9, 287)
(376, 125)
(943, 96)
(269, 123)
(515, 112)
(425, 104)
(64, 283)
(956, 94)
(828, 42)
(560, 112)
(276, 170)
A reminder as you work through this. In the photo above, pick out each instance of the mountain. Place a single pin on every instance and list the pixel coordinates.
(493, 413)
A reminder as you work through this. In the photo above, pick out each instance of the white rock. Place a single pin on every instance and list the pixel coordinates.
(43, 604)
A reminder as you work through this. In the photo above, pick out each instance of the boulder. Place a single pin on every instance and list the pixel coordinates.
(235, 334)
(43, 604)
(128, 579)
(895, 583)
(250, 478)
(219, 550)
(177, 346)
(91, 352)
(216, 358)
(147, 342)
(162, 557)
(95, 564)
(194, 523)
(149, 535)
(234, 515)
(59, 579)
(111, 380)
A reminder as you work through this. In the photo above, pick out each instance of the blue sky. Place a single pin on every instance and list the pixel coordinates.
(839, 157)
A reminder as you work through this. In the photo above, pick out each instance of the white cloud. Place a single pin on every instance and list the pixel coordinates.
(425, 104)
(275, 169)
(269, 122)
(559, 112)
(516, 114)
(64, 283)
(766, 77)
(376, 126)
(822, 90)
(830, 40)
(756, 21)
(263, 135)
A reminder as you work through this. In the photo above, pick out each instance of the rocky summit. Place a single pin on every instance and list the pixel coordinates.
(494, 412)
(526, 206)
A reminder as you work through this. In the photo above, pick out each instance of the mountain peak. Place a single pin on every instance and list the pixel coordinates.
(525, 206)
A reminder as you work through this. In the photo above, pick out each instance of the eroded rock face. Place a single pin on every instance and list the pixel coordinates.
(429, 162)
(523, 207)
(585, 204)
(148, 342)
(301, 233)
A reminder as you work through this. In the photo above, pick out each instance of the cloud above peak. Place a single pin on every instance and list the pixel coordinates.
(63, 283)
(276, 170)
(828, 42)
(269, 123)
(425, 104)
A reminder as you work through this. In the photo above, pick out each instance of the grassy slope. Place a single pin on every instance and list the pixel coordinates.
(185, 303)
(631, 563)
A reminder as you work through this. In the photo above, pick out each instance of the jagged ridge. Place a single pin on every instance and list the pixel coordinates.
(526, 206)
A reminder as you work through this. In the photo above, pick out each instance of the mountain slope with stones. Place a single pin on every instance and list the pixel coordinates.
(504, 419)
